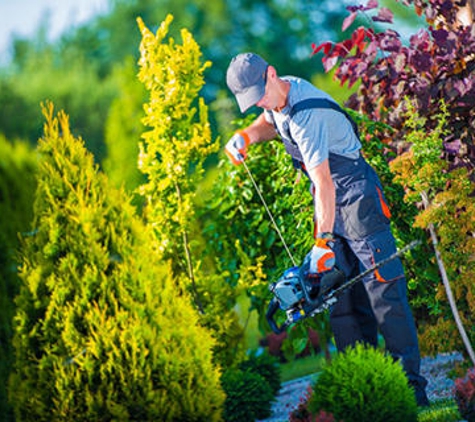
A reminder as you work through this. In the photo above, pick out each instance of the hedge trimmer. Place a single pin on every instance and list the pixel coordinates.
(301, 295)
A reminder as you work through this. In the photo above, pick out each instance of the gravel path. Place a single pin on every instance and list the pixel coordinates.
(433, 369)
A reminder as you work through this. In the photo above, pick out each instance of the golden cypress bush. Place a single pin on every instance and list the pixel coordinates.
(100, 332)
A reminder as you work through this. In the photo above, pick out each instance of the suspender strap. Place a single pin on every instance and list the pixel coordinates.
(323, 103)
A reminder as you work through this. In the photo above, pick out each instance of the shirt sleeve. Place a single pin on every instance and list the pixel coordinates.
(268, 117)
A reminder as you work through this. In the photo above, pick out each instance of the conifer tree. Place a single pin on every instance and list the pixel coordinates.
(100, 332)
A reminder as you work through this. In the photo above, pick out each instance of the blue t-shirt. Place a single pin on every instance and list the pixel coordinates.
(316, 131)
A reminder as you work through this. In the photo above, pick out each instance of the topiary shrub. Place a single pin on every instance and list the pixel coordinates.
(267, 367)
(465, 395)
(248, 396)
(363, 384)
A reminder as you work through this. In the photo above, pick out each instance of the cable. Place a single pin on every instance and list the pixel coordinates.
(269, 213)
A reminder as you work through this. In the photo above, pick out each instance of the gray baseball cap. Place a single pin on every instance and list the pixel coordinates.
(246, 78)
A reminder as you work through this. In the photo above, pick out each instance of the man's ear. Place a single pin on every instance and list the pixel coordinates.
(271, 72)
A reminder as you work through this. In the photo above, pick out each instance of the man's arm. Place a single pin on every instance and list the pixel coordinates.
(324, 196)
(260, 130)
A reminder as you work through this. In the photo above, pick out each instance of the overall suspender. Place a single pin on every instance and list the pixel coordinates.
(323, 103)
(290, 146)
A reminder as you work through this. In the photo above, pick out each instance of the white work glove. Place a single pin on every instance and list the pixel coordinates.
(322, 257)
(236, 147)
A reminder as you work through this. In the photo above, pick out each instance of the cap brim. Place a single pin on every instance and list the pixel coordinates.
(250, 97)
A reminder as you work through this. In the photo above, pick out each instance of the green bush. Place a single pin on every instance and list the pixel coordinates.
(248, 396)
(17, 186)
(101, 331)
(267, 367)
(363, 384)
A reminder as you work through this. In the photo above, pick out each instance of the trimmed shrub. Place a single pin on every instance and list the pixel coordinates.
(248, 396)
(267, 367)
(363, 384)
(465, 395)
(101, 332)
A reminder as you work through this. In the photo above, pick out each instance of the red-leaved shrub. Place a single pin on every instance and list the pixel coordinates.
(465, 395)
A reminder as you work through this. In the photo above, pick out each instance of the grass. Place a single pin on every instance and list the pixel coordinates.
(302, 367)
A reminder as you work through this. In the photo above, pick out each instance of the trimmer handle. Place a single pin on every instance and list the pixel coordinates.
(271, 311)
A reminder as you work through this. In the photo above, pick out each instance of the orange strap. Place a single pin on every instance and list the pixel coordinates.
(379, 277)
(384, 206)
(245, 136)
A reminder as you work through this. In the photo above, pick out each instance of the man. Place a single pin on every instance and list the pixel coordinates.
(351, 215)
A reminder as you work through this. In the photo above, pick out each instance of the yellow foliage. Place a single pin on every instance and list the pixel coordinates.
(450, 210)
(179, 139)
(172, 154)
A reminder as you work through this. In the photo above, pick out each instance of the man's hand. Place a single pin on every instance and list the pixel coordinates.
(322, 257)
(237, 146)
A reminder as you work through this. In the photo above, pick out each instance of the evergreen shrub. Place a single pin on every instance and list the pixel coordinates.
(363, 384)
(267, 367)
(248, 396)
(101, 332)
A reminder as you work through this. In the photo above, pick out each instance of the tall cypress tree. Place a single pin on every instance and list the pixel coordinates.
(100, 332)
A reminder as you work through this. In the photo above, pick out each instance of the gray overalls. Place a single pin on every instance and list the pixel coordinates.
(363, 238)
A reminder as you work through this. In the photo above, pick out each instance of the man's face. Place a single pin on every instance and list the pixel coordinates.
(270, 99)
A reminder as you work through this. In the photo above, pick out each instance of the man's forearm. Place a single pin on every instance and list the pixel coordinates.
(260, 130)
(325, 210)
(324, 196)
